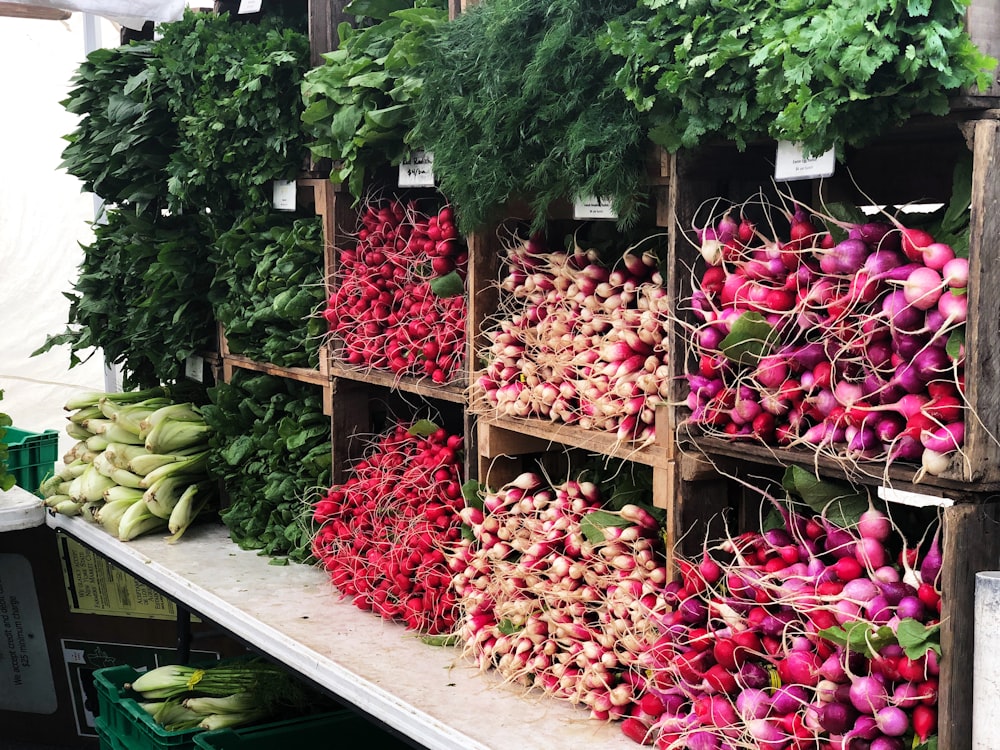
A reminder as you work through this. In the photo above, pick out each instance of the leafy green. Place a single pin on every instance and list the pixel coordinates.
(823, 73)
(125, 134)
(271, 448)
(7, 480)
(518, 101)
(917, 639)
(268, 285)
(838, 502)
(860, 636)
(141, 296)
(358, 104)
(749, 339)
(233, 92)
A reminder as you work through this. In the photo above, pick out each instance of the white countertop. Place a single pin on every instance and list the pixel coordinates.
(430, 694)
(20, 509)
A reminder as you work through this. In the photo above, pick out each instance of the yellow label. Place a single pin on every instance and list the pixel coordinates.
(95, 586)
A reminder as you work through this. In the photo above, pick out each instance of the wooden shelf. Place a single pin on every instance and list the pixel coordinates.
(430, 694)
(420, 386)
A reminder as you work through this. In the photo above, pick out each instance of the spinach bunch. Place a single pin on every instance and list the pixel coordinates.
(7, 480)
(519, 101)
(822, 73)
(359, 103)
(125, 134)
(141, 296)
(268, 287)
(233, 91)
(271, 449)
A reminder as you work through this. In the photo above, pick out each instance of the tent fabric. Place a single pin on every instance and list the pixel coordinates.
(129, 13)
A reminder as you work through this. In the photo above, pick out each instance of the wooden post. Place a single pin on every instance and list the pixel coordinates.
(970, 535)
(324, 18)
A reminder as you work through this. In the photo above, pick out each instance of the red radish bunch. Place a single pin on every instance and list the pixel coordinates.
(385, 310)
(851, 348)
(560, 595)
(751, 655)
(579, 341)
(384, 534)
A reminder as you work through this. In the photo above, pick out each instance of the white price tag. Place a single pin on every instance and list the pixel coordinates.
(249, 6)
(915, 499)
(592, 207)
(194, 367)
(283, 197)
(418, 170)
(791, 164)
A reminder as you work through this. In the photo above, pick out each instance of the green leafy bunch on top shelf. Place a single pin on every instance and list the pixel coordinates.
(822, 73)
(267, 287)
(125, 134)
(141, 296)
(359, 102)
(518, 101)
(7, 480)
(233, 91)
(271, 448)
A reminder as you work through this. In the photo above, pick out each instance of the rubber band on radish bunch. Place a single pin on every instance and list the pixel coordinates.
(398, 303)
(384, 534)
(846, 338)
(560, 594)
(820, 632)
(579, 337)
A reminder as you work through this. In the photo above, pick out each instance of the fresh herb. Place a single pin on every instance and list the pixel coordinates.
(271, 449)
(141, 297)
(822, 73)
(518, 101)
(120, 148)
(233, 91)
(267, 287)
(359, 102)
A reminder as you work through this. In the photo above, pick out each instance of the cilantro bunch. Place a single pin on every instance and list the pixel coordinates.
(823, 73)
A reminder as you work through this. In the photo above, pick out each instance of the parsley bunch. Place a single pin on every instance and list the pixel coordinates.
(822, 73)
(233, 91)
(519, 101)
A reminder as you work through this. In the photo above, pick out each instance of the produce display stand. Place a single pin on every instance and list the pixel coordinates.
(430, 695)
(912, 165)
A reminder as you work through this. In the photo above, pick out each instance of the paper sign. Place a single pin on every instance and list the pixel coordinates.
(792, 164)
(25, 673)
(593, 208)
(418, 170)
(249, 6)
(194, 368)
(283, 198)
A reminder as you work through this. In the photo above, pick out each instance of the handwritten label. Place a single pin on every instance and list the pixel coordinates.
(283, 195)
(25, 673)
(194, 367)
(417, 170)
(792, 164)
(249, 6)
(591, 207)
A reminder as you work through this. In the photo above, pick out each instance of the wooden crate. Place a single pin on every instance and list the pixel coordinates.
(982, 20)
(913, 164)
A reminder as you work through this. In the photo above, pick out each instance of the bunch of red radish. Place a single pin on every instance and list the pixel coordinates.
(385, 310)
(748, 657)
(579, 341)
(559, 595)
(384, 533)
(853, 348)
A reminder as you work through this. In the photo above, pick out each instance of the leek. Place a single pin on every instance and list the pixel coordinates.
(189, 505)
(103, 464)
(96, 443)
(111, 514)
(162, 496)
(175, 717)
(120, 492)
(131, 416)
(126, 478)
(78, 431)
(186, 412)
(94, 398)
(69, 507)
(97, 425)
(136, 521)
(221, 721)
(228, 704)
(116, 433)
(82, 415)
(53, 501)
(146, 462)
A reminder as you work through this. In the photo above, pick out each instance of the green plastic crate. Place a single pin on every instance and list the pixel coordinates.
(341, 730)
(123, 725)
(31, 456)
